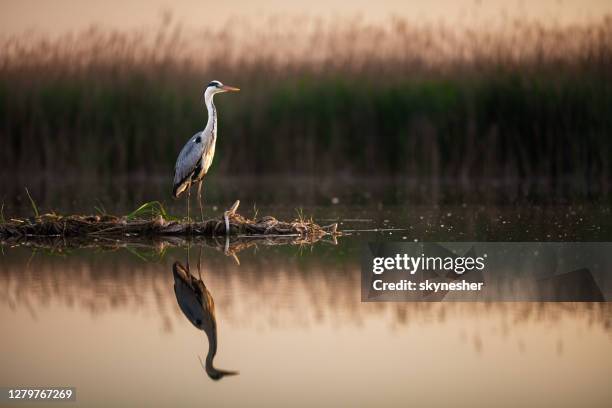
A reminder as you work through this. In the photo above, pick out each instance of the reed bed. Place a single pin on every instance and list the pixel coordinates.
(520, 100)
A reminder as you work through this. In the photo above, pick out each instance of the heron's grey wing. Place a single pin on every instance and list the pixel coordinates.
(189, 303)
(188, 159)
(188, 298)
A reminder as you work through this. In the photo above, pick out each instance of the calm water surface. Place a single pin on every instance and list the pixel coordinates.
(109, 321)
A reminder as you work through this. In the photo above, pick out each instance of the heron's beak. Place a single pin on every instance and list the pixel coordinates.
(228, 88)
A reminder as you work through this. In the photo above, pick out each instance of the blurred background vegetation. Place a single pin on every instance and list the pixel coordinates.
(525, 101)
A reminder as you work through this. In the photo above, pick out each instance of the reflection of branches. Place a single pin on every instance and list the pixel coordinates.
(155, 247)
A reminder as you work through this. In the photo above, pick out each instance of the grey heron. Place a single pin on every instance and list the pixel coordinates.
(195, 158)
(198, 306)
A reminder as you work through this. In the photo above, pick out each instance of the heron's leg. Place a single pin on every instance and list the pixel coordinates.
(200, 263)
(188, 247)
(188, 200)
(200, 199)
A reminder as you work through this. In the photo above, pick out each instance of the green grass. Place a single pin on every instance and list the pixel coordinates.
(32, 203)
(151, 209)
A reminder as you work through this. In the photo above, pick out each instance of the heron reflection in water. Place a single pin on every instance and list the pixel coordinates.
(198, 305)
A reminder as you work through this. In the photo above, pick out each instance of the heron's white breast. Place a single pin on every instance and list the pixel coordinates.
(209, 152)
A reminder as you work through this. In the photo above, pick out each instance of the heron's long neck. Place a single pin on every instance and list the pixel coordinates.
(211, 125)
(212, 349)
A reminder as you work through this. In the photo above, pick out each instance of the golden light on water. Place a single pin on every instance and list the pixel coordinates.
(294, 328)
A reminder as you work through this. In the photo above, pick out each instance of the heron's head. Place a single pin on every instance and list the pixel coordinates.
(216, 87)
(216, 375)
(213, 372)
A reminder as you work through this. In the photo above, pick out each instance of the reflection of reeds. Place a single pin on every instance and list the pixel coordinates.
(303, 291)
(523, 100)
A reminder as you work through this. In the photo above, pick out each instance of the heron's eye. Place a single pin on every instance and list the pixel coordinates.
(197, 139)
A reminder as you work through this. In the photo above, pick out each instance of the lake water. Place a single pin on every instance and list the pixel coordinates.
(107, 320)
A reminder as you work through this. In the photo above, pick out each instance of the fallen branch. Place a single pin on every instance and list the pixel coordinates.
(229, 224)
